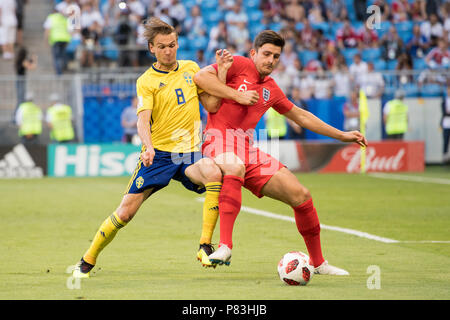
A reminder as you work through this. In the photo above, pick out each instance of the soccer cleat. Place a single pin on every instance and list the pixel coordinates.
(221, 256)
(325, 268)
(204, 251)
(82, 269)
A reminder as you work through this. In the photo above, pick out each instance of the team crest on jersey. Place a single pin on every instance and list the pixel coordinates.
(188, 78)
(139, 182)
(266, 94)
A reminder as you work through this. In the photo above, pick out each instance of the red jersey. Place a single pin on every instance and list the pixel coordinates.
(243, 76)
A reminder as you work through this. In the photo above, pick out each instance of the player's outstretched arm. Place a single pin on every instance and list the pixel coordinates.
(143, 128)
(207, 79)
(309, 121)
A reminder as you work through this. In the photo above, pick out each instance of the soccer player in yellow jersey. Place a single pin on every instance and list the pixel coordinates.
(169, 128)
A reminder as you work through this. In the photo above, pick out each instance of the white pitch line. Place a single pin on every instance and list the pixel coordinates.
(393, 176)
(333, 228)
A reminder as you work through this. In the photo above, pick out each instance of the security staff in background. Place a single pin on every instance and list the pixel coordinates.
(59, 120)
(29, 120)
(395, 116)
(57, 33)
(276, 124)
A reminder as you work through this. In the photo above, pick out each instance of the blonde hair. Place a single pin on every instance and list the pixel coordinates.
(155, 26)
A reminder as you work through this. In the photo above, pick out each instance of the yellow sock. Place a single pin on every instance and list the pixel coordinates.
(104, 235)
(210, 211)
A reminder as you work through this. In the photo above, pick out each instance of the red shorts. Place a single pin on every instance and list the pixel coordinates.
(259, 166)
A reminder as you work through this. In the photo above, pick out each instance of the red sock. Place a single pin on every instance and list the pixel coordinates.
(230, 200)
(309, 227)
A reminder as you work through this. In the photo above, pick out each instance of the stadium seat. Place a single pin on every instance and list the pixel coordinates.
(213, 17)
(198, 43)
(299, 26)
(251, 4)
(349, 53)
(72, 47)
(186, 55)
(384, 28)
(322, 26)
(183, 42)
(404, 26)
(431, 90)
(210, 5)
(276, 26)
(405, 36)
(419, 64)
(371, 54)
(255, 29)
(379, 65)
(254, 16)
(391, 64)
(411, 90)
(305, 56)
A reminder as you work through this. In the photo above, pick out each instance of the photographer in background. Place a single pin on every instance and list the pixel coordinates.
(23, 63)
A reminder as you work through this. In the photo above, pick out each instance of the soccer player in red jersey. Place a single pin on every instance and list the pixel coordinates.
(228, 140)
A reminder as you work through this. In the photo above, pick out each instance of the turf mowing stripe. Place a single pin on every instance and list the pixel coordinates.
(333, 228)
(408, 178)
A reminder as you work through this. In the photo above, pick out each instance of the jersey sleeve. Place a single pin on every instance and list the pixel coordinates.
(282, 104)
(144, 96)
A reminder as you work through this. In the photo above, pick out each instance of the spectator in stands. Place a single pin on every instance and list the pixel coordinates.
(341, 80)
(239, 36)
(401, 10)
(177, 12)
(316, 11)
(137, 12)
(294, 70)
(391, 44)
(372, 82)
(357, 69)
(194, 25)
(8, 28)
(295, 11)
(306, 35)
(306, 84)
(347, 37)
(418, 13)
(20, 15)
(432, 7)
(439, 57)
(432, 29)
(63, 5)
(29, 120)
(124, 36)
(24, 62)
(405, 68)
(368, 38)
(395, 116)
(218, 37)
(110, 12)
(418, 45)
(200, 58)
(330, 56)
(323, 85)
(128, 120)
(360, 9)
(335, 9)
(58, 36)
(282, 78)
(350, 110)
(288, 55)
(385, 9)
(294, 131)
(272, 9)
(445, 124)
(235, 19)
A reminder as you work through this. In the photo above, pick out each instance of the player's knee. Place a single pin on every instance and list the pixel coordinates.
(300, 195)
(210, 171)
(234, 170)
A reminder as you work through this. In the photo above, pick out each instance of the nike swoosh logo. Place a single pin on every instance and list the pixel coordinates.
(247, 82)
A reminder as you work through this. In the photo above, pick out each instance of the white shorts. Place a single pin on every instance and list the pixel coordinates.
(7, 35)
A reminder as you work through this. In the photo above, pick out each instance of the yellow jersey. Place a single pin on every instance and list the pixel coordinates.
(172, 96)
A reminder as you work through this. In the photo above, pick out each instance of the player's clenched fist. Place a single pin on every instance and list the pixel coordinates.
(147, 157)
(249, 97)
(354, 136)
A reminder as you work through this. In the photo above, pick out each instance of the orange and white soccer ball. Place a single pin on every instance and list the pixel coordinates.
(294, 269)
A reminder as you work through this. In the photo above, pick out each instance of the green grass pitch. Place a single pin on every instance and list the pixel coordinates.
(47, 224)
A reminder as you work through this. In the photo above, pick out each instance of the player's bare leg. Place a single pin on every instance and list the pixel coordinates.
(127, 209)
(285, 187)
(230, 199)
(206, 173)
